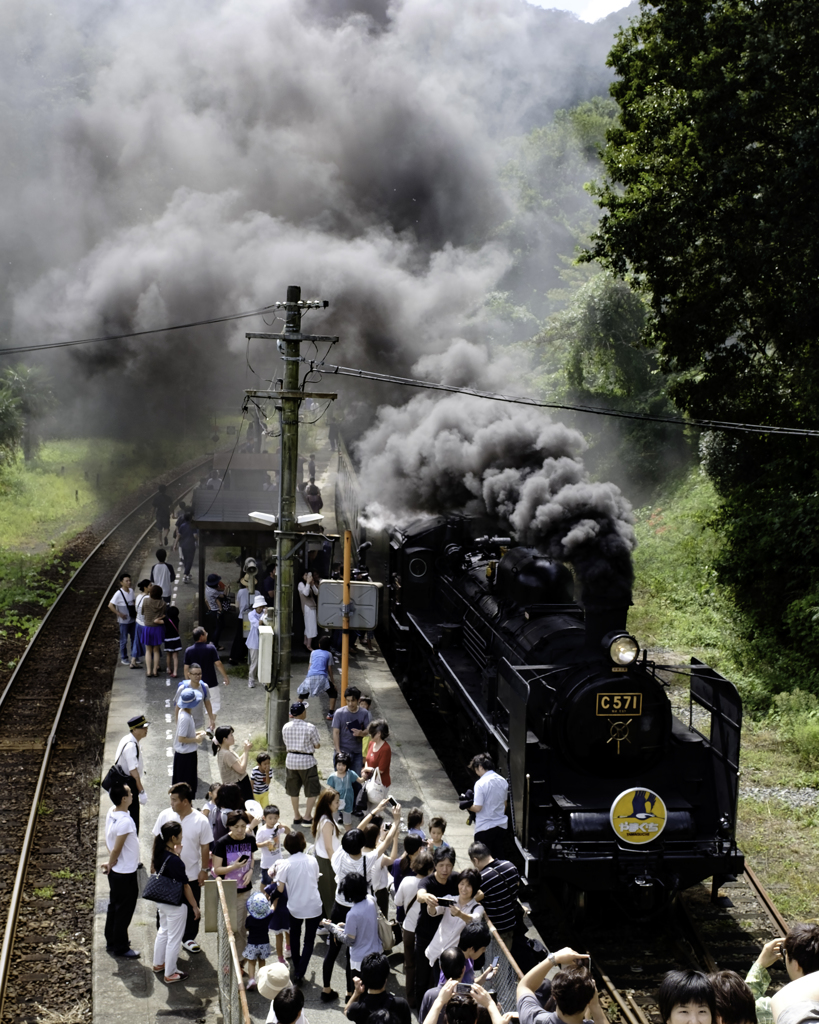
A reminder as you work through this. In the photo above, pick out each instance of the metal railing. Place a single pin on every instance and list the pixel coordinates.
(232, 996)
(505, 981)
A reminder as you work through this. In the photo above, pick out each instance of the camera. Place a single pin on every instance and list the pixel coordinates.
(466, 799)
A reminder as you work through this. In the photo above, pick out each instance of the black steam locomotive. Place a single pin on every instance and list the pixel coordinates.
(609, 791)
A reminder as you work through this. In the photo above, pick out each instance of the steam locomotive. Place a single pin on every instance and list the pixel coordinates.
(608, 789)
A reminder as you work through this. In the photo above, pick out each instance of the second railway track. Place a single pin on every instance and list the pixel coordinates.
(51, 711)
(630, 957)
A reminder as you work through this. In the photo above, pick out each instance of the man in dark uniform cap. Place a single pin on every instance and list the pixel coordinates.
(129, 758)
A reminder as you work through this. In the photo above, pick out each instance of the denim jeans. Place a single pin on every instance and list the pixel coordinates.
(126, 629)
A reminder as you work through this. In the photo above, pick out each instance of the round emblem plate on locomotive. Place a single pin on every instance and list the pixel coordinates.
(638, 816)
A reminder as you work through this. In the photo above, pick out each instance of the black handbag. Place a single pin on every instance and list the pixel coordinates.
(161, 889)
(116, 774)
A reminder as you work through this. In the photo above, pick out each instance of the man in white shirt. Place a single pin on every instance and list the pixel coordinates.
(122, 604)
(121, 869)
(197, 836)
(257, 618)
(489, 805)
(129, 758)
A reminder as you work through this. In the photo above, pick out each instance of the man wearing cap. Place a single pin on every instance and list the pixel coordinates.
(131, 755)
(301, 738)
(257, 618)
(213, 601)
(186, 741)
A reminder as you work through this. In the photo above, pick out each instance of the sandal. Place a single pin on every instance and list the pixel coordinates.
(156, 970)
(179, 976)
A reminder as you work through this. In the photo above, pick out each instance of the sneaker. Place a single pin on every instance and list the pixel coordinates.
(287, 954)
(251, 686)
(329, 997)
(124, 661)
(251, 983)
(191, 946)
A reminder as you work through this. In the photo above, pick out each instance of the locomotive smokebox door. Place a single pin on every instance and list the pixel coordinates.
(513, 696)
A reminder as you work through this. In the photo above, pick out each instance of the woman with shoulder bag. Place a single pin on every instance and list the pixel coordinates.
(166, 861)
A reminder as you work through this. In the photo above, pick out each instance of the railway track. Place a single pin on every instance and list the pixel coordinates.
(630, 958)
(53, 712)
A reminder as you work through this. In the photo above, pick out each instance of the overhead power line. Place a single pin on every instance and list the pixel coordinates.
(134, 334)
(750, 428)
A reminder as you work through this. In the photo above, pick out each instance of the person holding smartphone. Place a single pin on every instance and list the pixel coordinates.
(233, 859)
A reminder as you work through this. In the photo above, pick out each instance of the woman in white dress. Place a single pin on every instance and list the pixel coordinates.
(308, 592)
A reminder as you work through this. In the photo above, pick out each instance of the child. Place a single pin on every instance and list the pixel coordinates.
(173, 641)
(257, 924)
(415, 819)
(402, 866)
(260, 778)
(268, 839)
(280, 918)
(365, 702)
(209, 806)
(437, 827)
(345, 782)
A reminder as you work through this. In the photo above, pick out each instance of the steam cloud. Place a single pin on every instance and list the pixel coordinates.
(170, 162)
(511, 464)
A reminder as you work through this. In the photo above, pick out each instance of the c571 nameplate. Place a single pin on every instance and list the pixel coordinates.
(615, 705)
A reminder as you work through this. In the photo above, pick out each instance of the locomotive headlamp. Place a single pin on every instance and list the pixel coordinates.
(622, 648)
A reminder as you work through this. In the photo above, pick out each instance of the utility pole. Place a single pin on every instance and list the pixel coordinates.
(288, 542)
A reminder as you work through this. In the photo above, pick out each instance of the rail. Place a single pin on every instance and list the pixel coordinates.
(10, 931)
(765, 900)
(504, 982)
(232, 995)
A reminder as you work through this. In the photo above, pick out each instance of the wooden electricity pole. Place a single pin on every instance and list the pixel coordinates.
(288, 535)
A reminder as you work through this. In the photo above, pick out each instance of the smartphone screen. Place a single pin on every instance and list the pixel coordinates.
(495, 962)
(463, 990)
(392, 801)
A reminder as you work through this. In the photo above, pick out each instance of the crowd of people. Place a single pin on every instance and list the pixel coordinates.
(319, 878)
(349, 873)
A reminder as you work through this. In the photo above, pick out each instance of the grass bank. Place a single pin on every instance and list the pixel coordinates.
(680, 610)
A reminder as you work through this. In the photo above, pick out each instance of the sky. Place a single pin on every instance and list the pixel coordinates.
(588, 10)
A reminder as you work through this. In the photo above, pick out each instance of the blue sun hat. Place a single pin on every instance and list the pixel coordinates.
(257, 905)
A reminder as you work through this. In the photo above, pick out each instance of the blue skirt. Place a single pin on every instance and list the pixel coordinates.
(153, 636)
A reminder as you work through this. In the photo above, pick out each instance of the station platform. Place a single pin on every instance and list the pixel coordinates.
(127, 990)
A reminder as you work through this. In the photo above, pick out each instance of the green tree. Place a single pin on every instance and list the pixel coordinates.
(31, 389)
(11, 423)
(591, 353)
(553, 213)
(711, 209)
(711, 204)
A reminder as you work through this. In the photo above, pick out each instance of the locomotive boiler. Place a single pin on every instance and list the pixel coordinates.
(608, 789)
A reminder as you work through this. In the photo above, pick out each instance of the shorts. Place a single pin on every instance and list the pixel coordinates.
(295, 778)
(261, 798)
(260, 952)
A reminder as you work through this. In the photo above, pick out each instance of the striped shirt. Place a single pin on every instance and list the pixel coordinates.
(499, 884)
(259, 782)
(301, 738)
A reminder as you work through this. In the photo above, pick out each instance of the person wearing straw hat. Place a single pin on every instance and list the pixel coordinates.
(187, 739)
(274, 984)
(257, 618)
